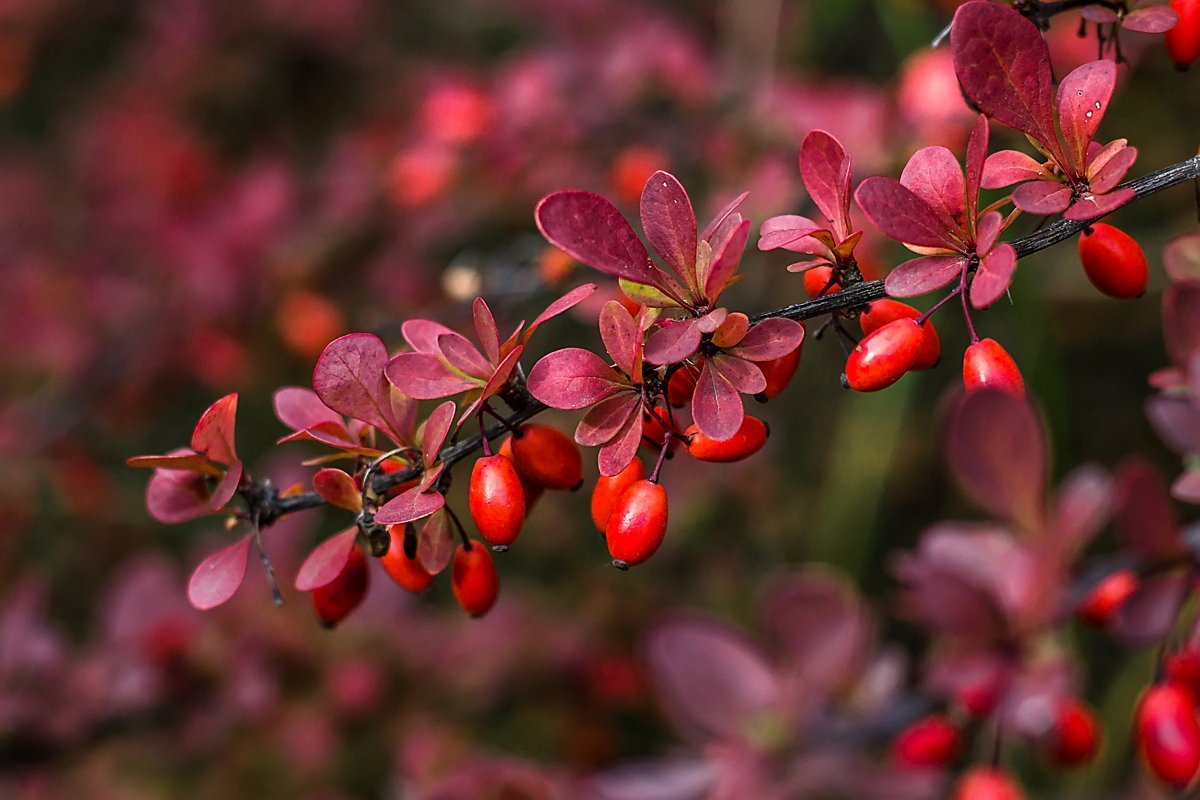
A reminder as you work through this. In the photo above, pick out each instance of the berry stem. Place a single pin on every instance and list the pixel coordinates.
(462, 533)
(483, 435)
(923, 318)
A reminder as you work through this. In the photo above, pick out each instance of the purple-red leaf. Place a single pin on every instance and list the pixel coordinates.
(1150, 613)
(437, 426)
(670, 224)
(722, 216)
(977, 150)
(1042, 197)
(213, 435)
(621, 336)
(422, 335)
(1003, 66)
(218, 577)
(921, 275)
(606, 419)
(933, 174)
(590, 229)
(564, 303)
(435, 542)
(349, 379)
(674, 341)
(616, 454)
(994, 275)
(427, 377)
(173, 496)
(1145, 520)
(769, 339)
(726, 257)
(463, 356)
(1152, 19)
(902, 215)
(496, 382)
(300, 409)
(1082, 100)
(745, 376)
(716, 404)
(226, 487)
(785, 230)
(573, 378)
(825, 170)
(1081, 508)
(1011, 166)
(326, 561)
(409, 506)
(338, 488)
(997, 451)
(180, 462)
(486, 330)
(1107, 169)
(1091, 205)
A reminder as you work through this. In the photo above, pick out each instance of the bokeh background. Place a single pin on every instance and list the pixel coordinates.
(197, 195)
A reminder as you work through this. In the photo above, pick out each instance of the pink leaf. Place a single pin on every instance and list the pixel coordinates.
(921, 275)
(785, 230)
(1042, 197)
(173, 497)
(213, 436)
(621, 336)
(1011, 166)
(422, 335)
(904, 216)
(1081, 508)
(997, 452)
(988, 230)
(726, 257)
(590, 229)
(1152, 19)
(326, 561)
(436, 427)
(993, 276)
(496, 382)
(825, 170)
(435, 542)
(349, 379)
(769, 339)
(461, 355)
(1004, 68)
(710, 678)
(181, 462)
(977, 153)
(409, 506)
(716, 404)
(218, 577)
(573, 378)
(562, 304)
(1150, 613)
(674, 341)
(338, 488)
(745, 376)
(1186, 487)
(1175, 420)
(300, 409)
(1082, 100)
(1145, 520)
(1091, 206)
(670, 224)
(1100, 15)
(722, 216)
(712, 320)
(606, 419)
(621, 449)
(1181, 320)
(933, 174)
(654, 780)
(427, 377)
(486, 330)
(1181, 258)
(1105, 174)
(226, 488)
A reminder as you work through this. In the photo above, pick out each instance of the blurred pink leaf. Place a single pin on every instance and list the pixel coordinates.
(1152, 19)
(1181, 258)
(299, 409)
(218, 577)
(670, 224)
(326, 560)
(1181, 320)
(573, 378)
(716, 404)
(590, 229)
(1176, 421)
(337, 488)
(1081, 508)
(213, 436)
(1149, 614)
(1145, 519)
(769, 339)
(653, 780)
(1082, 100)
(173, 497)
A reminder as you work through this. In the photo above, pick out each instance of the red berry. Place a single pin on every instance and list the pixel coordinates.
(1183, 41)
(817, 282)
(1113, 260)
(654, 431)
(1075, 737)
(987, 783)
(1183, 670)
(410, 573)
(532, 491)
(881, 312)
(474, 580)
(496, 500)
(779, 372)
(748, 440)
(987, 365)
(1099, 605)
(884, 355)
(681, 385)
(610, 488)
(340, 596)
(547, 457)
(637, 524)
(929, 742)
(1168, 734)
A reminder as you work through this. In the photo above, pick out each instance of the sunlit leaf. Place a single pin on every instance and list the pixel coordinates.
(213, 435)
(337, 488)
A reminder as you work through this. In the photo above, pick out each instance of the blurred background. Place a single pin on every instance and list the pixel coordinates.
(197, 195)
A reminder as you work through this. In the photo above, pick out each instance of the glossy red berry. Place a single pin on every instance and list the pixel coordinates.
(817, 282)
(340, 596)
(779, 372)
(531, 490)
(637, 524)
(748, 440)
(610, 488)
(1183, 41)
(1106, 597)
(496, 500)
(881, 312)
(474, 580)
(1114, 261)
(884, 355)
(987, 783)
(547, 457)
(929, 742)
(409, 573)
(1183, 669)
(1075, 737)
(1168, 734)
(987, 365)
(681, 385)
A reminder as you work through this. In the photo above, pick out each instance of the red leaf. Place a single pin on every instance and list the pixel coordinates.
(181, 462)
(726, 257)
(1152, 19)
(710, 678)
(173, 497)
(977, 153)
(1149, 614)
(1003, 65)
(997, 452)
(213, 436)
(435, 542)
(349, 379)
(326, 561)
(463, 356)
(300, 409)
(1176, 421)
(902, 215)
(621, 336)
(993, 276)
(786, 230)
(921, 275)
(226, 488)
(338, 488)
(573, 378)
(670, 224)
(1105, 174)
(616, 454)
(422, 335)
(769, 339)
(674, 341)
(716, 404)
(1011, 166)
(1091, 206)
(562, 304)
(1082, 100)
(1145, 519)
(496, 382)
(745, 376)
(722, 216)
(486, 330)
(1081, 508)
(218, 577)
(1042, 197)
(933, 174)
(825, 170)
(436, 427)
(590, 229)
(427, 377)
(605, 420)
(409, 506)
